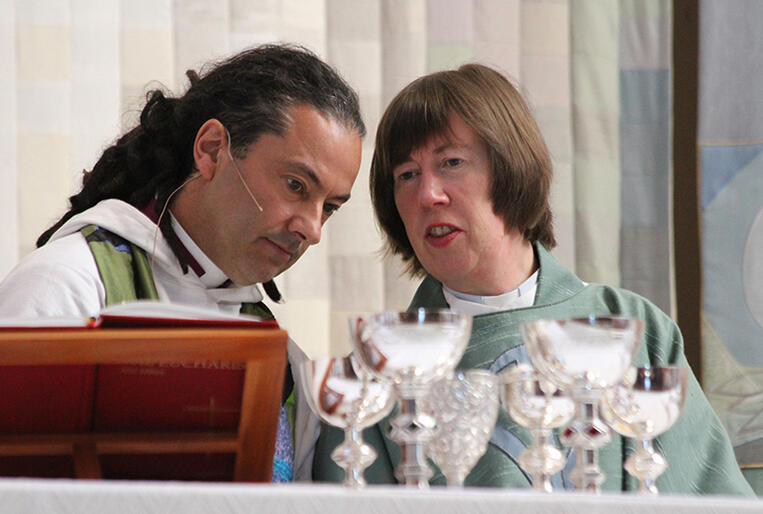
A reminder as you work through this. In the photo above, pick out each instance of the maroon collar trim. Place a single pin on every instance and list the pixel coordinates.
(149, 210)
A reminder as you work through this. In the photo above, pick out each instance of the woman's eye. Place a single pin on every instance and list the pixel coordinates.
(406, 175)
(452, 163)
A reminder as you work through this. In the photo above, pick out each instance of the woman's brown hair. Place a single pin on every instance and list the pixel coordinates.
(520, 163)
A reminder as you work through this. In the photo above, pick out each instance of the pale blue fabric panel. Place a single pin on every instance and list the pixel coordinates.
(727, 222)
(731, 172)
(720, 164)
(645, 109)
(731, 70)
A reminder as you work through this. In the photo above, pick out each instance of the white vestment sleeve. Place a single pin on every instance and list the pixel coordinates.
(306, 424)
(58, 280)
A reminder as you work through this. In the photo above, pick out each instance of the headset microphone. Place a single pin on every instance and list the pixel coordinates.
(246, 186)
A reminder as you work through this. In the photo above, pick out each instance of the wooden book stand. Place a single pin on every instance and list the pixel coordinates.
(253, 443)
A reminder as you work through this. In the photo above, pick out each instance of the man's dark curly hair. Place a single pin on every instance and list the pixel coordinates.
(249, 93)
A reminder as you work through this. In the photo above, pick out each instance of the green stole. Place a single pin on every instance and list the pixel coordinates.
(125, 271)
(697, 448)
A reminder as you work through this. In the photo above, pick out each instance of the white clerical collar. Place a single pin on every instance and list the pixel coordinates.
(522, 296)
(213, 276)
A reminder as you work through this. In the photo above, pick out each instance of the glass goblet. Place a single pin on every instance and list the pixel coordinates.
(537, 404)
(584, 356)
(643, 410)
(410, 350)
(465, 407)
(343, 395)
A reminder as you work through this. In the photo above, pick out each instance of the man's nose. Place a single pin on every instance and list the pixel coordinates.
(308, 224)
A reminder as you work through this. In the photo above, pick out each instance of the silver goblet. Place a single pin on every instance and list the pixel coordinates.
(643, 410)
(343, 395)
(410, 350)
(584, 356)
(537, 404)
(465, 407)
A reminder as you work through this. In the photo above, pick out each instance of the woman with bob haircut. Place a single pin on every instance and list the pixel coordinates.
(460, 181)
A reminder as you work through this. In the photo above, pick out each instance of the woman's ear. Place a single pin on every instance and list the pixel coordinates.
(209, 146)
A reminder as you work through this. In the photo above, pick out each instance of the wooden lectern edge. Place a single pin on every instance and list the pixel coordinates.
(139, 346)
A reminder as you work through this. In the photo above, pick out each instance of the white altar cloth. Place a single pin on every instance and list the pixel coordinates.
(30, 496)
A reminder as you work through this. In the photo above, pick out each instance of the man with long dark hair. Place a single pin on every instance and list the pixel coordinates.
(212, 193)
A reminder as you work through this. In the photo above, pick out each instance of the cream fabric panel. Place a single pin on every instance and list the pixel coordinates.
(9, 230)
(200, 34)
(545, 83)
(356, 272)
(44, 71)
(404, 58)
(254, 22)
(146, 58)
(95, 79)
(595, 68)
(498, 35)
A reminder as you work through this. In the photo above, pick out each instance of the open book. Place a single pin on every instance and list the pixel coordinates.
(145, 313)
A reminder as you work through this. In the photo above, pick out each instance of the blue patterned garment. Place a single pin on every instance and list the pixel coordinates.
(283, 460)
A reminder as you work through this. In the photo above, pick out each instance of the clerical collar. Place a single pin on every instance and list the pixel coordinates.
(207, 271)
(522, 296)
(211, 275)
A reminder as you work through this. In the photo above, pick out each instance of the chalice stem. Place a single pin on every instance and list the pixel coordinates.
(354, 456)
(646, 465)
(586, 435)
(353, 471)
(412, 429)
(543, 460)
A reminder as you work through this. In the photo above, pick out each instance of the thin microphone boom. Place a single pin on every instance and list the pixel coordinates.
(246, 186)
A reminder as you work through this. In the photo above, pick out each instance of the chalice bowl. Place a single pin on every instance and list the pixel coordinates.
(584, 356)
(643, 410)
(537, 404)
(465, 407)
(410, 350)
(343, 395)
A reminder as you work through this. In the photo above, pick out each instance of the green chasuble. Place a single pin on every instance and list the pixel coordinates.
(699, 454)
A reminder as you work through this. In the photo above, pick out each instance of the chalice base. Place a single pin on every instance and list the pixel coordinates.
(646, 465)
(354, 456)
(542, 462)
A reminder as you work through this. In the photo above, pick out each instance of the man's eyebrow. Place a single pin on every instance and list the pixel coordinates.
(306, 170)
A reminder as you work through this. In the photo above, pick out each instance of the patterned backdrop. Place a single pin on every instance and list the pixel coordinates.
(731, 161)
(596, 73)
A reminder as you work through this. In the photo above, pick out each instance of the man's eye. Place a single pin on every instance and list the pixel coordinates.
(295, 185)
(330, 208)
(452, 163)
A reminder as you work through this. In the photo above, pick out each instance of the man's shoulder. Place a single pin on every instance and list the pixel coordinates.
(70, 252)
(58, 279)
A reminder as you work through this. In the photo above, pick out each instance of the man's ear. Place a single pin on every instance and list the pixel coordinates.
(209, 146)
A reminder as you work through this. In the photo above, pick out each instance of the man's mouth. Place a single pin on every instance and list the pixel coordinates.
(287, 250)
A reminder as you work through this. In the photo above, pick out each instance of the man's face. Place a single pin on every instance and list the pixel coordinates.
(299, 179)
(442, 193)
